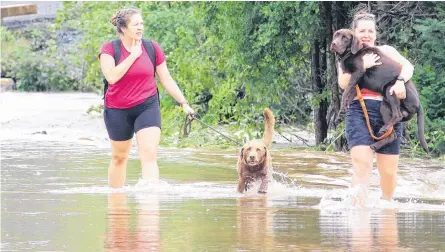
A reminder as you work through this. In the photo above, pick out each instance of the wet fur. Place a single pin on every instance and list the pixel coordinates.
(349, 51)
(254, 161)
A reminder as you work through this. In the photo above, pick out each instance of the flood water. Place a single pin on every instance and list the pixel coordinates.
(54, 194)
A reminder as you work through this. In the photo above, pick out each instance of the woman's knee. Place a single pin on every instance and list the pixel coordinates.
(362, 160)
(362, 156)
(119, 159)
(388, 173)
(387, 170)
(362, 166)
(387, 165)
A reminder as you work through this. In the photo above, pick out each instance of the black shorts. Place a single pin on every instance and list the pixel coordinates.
(123, 123)
(357, 132)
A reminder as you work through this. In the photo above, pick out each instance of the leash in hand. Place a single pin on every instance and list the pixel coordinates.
(187, 127)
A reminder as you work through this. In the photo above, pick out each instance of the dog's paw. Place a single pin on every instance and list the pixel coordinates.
(382, 131)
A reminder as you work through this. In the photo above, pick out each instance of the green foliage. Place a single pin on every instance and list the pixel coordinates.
(13, 51)
(231, 59)
(41, 36)
(429, 78)
(35, 69)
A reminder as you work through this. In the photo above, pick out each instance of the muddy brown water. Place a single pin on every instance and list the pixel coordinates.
(54, 194)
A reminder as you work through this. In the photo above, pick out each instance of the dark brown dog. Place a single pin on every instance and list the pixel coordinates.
(254, 161)
(349, 51)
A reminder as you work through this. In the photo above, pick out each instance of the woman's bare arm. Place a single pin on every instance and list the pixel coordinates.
(407, 68)
(168, 83)
(114, 73)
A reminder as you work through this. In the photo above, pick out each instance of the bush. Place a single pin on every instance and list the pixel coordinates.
(35, 69)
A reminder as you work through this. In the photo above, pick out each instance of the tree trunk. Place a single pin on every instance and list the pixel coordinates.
(319, 119)
(335, 22)
(319, 67)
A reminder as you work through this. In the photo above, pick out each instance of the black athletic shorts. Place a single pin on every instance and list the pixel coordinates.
(123, 123)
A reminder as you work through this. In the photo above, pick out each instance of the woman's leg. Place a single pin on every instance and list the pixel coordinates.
(387, 165)
(359, 142)
(148, 142)
(118, 165)
(120, 131)
(362, 167)
(148, 134)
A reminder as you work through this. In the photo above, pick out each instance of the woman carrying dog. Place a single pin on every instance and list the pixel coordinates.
(131, 101)
(357, 134)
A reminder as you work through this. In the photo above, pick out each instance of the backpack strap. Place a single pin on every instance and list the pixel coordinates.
(117, 50)
(148, 45)
(117, 55)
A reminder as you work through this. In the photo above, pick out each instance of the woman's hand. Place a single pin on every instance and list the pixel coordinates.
(187, 109)
(370, 60)
(399, 89)
(136, 48)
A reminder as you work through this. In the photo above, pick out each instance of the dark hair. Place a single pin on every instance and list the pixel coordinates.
(122, 17)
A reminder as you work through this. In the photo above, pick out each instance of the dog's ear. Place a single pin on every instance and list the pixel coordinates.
(356, 45)
(241, 156)
(241, 161)
(241, 153)
(266, 154)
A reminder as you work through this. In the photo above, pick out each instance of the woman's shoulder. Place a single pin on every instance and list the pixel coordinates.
(107, 45)
(160, 55)
(156, 44)
(387, 49)
(157, 47)
(107, 48)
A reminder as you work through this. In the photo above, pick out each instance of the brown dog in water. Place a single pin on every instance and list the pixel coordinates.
(254, 160)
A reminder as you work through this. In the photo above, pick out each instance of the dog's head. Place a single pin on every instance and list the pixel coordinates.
(254, 155)
(345, 40)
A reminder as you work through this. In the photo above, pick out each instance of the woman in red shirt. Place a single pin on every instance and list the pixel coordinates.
(357, 134)
(131, 101)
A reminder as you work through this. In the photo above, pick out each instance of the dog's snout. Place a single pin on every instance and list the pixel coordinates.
(251, 157)
(333, 45)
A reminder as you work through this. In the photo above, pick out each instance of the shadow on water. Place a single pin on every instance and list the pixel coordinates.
(54, 197)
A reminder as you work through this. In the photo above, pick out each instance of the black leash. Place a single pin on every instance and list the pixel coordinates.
(193, 117)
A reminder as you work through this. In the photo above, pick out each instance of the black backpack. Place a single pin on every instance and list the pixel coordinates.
(148, 45)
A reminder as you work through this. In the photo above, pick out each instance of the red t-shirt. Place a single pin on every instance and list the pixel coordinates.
(138, 83)
(367, 92)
